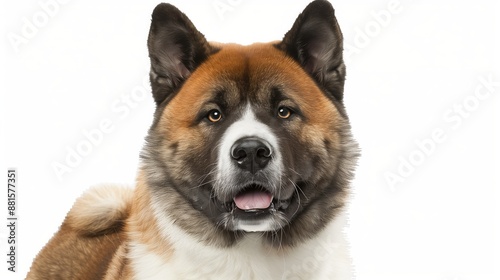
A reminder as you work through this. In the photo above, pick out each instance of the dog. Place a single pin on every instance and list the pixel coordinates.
(245, 171)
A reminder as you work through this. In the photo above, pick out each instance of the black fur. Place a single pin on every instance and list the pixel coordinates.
(316, 42)
(176, 48)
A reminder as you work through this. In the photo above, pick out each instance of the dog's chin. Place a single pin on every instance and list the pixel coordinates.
(255, 209)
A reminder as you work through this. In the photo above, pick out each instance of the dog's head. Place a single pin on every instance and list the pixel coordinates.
(249, 138)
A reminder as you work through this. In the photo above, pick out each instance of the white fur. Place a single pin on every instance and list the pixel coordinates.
(99, 208)
(324, 257)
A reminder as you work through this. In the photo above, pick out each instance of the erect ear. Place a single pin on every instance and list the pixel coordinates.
(176, 48)
(315, 41)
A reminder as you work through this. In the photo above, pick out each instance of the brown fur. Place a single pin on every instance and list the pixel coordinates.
(267, 66)
(88, 238)
(142, 225)
(94, 244)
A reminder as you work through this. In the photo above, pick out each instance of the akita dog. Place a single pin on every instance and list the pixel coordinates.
(245, 171)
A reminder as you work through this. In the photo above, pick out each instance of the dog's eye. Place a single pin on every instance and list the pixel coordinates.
(284, 112)
(214, 115)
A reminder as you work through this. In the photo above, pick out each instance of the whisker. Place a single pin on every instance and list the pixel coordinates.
(293, 170)
(298, 188)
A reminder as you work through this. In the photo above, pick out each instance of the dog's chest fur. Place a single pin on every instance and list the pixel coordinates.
(323, 257)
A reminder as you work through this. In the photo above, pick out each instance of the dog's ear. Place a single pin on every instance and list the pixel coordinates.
(176, 48)
(315, 41)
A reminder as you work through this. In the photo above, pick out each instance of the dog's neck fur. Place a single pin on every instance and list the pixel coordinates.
(154, 240)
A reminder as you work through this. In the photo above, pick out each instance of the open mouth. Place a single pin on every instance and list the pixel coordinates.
(257, 199)
(256, 208)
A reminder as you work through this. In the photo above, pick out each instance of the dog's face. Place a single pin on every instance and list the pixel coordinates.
(248, 138)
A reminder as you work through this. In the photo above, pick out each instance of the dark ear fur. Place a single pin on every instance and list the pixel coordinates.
(315, 41)
(176, 48)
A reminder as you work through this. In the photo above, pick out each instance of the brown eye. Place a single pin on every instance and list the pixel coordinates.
(284, 112)
(214, 116)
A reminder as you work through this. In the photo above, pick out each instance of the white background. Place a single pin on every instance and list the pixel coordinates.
(406, 75)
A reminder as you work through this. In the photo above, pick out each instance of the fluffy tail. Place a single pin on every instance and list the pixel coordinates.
(100, 209)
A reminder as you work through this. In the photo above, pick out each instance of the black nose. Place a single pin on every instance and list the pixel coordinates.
(251, 154)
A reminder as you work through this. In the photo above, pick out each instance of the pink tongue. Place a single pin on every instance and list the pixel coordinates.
(253, 200)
